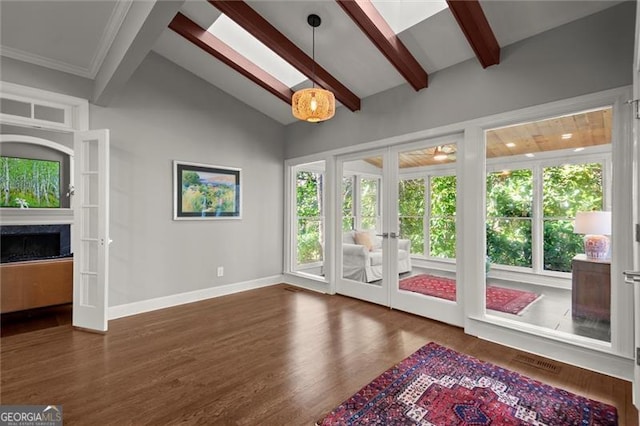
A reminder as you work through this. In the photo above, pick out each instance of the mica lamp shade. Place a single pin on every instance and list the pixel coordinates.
(596, 226)
(313, 105)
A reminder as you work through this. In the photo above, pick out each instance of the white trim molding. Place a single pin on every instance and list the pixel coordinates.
(106, 40)
(134, 308)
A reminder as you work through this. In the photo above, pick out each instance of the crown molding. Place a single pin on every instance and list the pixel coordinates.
(108, 36)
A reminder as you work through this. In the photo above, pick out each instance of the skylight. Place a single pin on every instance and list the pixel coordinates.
(402, 14)
(248, 46)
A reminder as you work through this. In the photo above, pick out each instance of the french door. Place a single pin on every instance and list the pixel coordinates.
(396, 243)
(91, 230)
(363, 228)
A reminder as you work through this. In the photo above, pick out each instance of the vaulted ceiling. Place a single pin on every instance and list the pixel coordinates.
(357, 52)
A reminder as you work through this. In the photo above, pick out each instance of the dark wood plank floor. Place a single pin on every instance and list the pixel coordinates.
(271, 356)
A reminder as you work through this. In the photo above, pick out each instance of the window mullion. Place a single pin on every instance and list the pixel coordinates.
(537, 225)
(426, 222)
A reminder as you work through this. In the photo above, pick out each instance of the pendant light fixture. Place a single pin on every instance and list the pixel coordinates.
(314, 104)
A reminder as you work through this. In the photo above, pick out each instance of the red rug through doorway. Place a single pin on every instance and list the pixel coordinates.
(439, 386)
(498, 298)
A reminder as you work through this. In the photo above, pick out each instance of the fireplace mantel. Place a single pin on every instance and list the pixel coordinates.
(11, 216)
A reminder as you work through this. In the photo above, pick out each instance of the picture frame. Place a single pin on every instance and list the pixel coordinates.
(205, 192)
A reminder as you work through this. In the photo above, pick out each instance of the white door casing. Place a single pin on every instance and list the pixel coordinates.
(90, 232)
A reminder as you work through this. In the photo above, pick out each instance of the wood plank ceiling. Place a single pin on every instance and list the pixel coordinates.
(468, 14)
(581, 130)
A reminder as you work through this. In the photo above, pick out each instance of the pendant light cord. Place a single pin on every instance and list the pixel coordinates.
(313, 57)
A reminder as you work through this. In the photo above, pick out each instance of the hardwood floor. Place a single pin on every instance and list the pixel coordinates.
(273, 356)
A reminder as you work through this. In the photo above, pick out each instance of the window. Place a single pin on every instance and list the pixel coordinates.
(511, 220)
(369, 205)
(442, 218)
(411, 211)
(431, 226)
(567, 189)
(509, 214)
(361, 211)
(308, 251)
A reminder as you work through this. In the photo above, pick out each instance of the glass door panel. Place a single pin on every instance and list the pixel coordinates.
(426, 204)
(362, 252)
(309, 232)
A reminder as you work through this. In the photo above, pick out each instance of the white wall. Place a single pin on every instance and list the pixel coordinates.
(585, 56)
(163, 114)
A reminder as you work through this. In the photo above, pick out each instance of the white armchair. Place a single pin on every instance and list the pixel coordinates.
(361, 264)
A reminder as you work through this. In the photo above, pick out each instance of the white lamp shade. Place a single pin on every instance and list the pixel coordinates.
(593, 223)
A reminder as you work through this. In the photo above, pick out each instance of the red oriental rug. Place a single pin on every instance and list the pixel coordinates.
(498, 298)
(439, 386)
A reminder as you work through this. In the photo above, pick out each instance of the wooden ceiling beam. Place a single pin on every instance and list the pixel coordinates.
(220, 50)
(242, 14)
(374, 26)
(473, 23)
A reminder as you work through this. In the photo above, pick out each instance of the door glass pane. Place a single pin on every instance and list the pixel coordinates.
(427, 216)
(411, 211)
(90, 222)
(362, 255)
(541, 176)
(91, 157)
(13, 107)
(42, 112)
(309, 220)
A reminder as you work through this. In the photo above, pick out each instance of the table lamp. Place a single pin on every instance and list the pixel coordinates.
(596, 226)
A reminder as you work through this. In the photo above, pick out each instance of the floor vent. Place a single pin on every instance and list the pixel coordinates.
(293, 289)
(543, 364)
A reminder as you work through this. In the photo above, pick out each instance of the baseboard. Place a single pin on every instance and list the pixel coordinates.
(580, 356)
(143, 306)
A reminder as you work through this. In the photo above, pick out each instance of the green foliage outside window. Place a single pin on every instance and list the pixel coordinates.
(411, 205)
(567, 189)
(347, 204)
(309, 212)
(369, 203)
(442, 204)
(442, 223)
(509, 211)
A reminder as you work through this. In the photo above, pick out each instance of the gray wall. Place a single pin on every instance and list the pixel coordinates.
(163, 114)
(585, 56)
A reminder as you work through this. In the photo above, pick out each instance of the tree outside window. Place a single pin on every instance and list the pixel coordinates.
(509, 213)
(567, 189)
(369, 206)
(411, 211)
(310, 221)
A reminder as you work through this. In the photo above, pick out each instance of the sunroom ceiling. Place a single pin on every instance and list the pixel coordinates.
(576, 132)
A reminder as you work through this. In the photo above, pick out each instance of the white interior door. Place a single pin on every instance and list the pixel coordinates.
(636, 215)
(91, 230)
(363, 243)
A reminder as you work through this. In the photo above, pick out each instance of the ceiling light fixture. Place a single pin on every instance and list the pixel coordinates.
(567, 136)
(510, 144)
(439, 154)
(314, 104)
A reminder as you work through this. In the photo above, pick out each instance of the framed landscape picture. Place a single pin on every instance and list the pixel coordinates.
(203, 191)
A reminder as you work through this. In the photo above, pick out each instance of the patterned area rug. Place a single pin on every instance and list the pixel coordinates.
(439, 386)
(498, 298)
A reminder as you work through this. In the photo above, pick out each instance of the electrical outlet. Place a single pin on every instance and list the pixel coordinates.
(220, 271)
